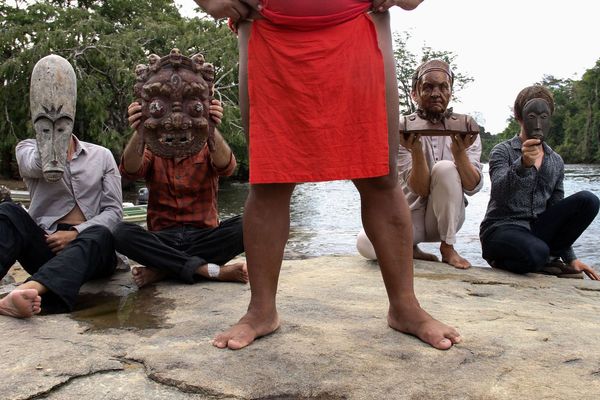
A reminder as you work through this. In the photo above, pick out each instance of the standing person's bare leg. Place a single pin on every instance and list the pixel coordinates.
(387, 222)
(266, 230)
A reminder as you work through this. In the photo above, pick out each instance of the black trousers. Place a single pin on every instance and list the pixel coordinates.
(90, 256)
(181, 250)
(517, 249)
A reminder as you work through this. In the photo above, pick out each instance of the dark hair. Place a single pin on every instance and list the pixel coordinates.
(431, 65)
(529, 93)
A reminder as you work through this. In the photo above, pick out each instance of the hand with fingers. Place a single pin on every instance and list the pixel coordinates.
(215, 110)
(237, 10)
(411, 142)
(384, 5)
(531, 151)
(134, 117)
(58, 240)
(461, 142)
(582, 267)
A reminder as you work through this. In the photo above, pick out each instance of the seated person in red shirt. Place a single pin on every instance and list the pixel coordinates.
(185, 239)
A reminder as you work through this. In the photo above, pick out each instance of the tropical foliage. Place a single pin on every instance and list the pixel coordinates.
(575, 124)
(105, 40)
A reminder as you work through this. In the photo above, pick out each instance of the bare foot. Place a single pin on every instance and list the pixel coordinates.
(250, 327)
(412, 319)
(21, 303)
(419, 254)
(236, 272)
(143, 276)
(450, 256)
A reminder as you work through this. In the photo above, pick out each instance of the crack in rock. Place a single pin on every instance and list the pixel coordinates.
(70, 379)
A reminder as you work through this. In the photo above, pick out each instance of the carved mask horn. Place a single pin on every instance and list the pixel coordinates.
(52, 101)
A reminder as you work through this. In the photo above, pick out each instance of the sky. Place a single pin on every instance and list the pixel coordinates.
(504, 45)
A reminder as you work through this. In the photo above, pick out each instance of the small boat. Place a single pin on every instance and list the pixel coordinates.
(131, 213)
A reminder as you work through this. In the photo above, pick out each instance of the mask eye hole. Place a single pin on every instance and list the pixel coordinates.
(196, 109)
(157, 109)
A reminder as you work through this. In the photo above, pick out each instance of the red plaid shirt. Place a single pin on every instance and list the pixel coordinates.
(182, 191)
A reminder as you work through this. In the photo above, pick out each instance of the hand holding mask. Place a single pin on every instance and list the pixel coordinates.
(175, 93)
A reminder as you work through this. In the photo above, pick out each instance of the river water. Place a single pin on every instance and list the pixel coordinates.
(325, 217)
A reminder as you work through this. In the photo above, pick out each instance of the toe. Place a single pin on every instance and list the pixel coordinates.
(443, 344)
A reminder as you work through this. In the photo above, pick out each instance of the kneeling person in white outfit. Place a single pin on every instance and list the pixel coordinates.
(437, 166)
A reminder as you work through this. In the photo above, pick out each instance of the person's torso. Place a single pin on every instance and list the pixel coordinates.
(182, 192)
(81, 186)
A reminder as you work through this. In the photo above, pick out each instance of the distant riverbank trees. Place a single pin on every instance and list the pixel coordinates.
(105, 40)
(575, 125)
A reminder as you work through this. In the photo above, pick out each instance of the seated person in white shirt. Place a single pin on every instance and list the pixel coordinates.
(64, 239)
(436, 171)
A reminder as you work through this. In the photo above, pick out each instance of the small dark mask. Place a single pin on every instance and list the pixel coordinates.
(536, 118)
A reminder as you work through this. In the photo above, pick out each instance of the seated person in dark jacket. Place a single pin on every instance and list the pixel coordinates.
(181, 163)
(529, 224)
(64, 239)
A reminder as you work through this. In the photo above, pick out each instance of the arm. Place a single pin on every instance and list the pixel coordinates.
(28, 159)
(132, 157)
(466, 150)
(222, 156)
(412, 159)
(234, 9)
(111, 201)
(383, 5)
(507, 176)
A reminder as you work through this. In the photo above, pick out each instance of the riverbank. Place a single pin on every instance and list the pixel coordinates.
(530, 337)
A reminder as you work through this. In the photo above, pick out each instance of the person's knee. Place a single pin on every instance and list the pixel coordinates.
(364, 246)
(123, 230)
(97, 233)
(588, 201)
(11, 208)
(445, 172)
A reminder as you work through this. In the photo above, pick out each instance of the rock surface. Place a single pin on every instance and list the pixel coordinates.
(525, 337)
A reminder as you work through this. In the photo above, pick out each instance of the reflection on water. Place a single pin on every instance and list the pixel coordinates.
(132, 309)
(325, 217)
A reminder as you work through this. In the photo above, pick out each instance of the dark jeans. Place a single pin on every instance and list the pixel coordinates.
(517, 249)
(91, 255)
(181, 250)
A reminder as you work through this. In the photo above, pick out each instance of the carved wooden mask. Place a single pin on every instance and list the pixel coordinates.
(52, 100)
(175, 93)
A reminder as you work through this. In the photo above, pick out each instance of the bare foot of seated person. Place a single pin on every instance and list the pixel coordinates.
(21, 303)
(235, 272)
(450, 256)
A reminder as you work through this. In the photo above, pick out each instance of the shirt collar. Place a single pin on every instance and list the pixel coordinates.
(80, 147)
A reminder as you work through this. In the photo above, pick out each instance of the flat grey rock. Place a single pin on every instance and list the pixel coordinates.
(524, 337)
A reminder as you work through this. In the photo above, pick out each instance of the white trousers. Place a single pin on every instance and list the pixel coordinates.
(441, 219)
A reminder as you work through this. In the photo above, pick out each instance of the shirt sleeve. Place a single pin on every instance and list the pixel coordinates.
(111, 202)
(28, 159)
(509, 179)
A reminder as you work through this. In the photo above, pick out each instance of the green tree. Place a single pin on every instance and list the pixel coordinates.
(407, 62)
(104, 40)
